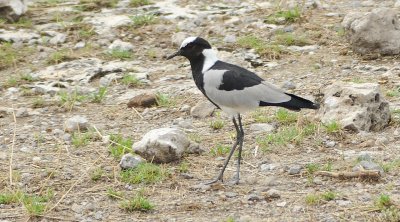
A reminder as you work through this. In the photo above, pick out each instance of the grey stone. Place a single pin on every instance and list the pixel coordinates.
(356, 107)
(164, 145)
(231, 194)
(281, 204)
(375, 32)
(120, 46)
(381, 141)
(186, 176)
(67, 137)
(330, 143)
(253, 197)
(79, 45)
(288, 85)
(104, 23)
(18, 36)
(130, 161)
(307, 48)
(22, 112)
(76, 123)
(268, 167)
(364, 157)
(229, 39)
(296, 169)
(202, 187)
(58, 39)
(272, 193)
(261, 128)
(177, 38)
(12, 9)
(368, 165)
(202, 109)
(343, 203)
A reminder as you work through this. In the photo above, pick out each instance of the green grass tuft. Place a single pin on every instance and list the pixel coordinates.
(137, 203)
(130, 80)
(220, 150)
(99, 96)
(113, 194)
(332, 127)
(146, 173)
(119, 146)
(164, 100)
(80, 139)
(284, 16)
(120, 54)
(272, 51)
(143, 20)
(138, 3)
(96, 174)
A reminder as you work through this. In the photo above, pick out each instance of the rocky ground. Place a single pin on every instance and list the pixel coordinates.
(65, 59)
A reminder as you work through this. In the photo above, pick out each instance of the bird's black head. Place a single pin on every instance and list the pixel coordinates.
(191, 48)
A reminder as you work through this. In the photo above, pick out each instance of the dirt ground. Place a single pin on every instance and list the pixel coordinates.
(39, 158)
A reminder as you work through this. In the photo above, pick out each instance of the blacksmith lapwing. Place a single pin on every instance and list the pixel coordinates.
(233, 89)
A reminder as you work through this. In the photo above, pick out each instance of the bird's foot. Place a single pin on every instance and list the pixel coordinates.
(218, 179)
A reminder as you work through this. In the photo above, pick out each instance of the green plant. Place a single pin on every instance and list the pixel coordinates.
(195, 137)
(219, 150)
(38, 102)
(96, 174)
(383, 201)
(138, 3)
(286, 16)
(217, 124)
(23, 22)
(59, 56)
(390, 214)
(393, 93)
(143, 20)
(289, 39)
(120, 54)
(11, 55)
(260, 46)
(390, 165)
(230, 219)
(183, 167)
(93, 5)
(69, 100)
(113, 194)
(119, 146)
(260, 116)
(283, 116)
(312, 168)
(130, 80)
(164, 100)
(11, 82)
(328, 195)
(333, 127)
(9, 197)
(144, 173)
(328, 166)
(36, 204)
(313, 199)
(99, 95)
(80, 139)
(137, 203)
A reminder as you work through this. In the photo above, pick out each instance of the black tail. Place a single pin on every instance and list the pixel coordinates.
(295, 103)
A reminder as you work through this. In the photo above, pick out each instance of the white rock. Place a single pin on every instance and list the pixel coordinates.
(129, 161)
(120, 46)
(76, 123)
(18, 36)
(357, 107)
(12, 9)
(307, 48)
(79, 45)
(376, 31)
(397, 4)
(103, 22)
(202, 109)
(58, 39)
(164, 145)
(262, 128)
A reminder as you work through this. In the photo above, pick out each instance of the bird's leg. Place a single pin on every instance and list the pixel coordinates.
(221, 174)
(240, 138)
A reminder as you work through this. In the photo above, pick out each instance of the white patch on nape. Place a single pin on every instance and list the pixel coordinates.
(187, 41)
(210, 59)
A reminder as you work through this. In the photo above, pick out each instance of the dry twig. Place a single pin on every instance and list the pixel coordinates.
(12, 147)
(364, 174)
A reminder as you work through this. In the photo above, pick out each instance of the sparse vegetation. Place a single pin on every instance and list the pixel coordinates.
(332, 127)
(99, 96)
(220, 150)
(94, 5)
(120, 54)
(34, 204)
(389, 166)
(69, 100)
(183, 167)
(18, 80)
(60, 56)
(217, 124)
(313, 199)
(119, 146)
(11, 55)
(393, 92)
(143, 20)
(164, 100)
(97, 174)
(284, 16)
(113, 194)
(80, 139)
(137, 203)
(130, 80)
(328, 195)
(38, 103)
(146, 173)
(285, 117)
(289, 39)
(263, 48)
(138, 3)
(383, 201)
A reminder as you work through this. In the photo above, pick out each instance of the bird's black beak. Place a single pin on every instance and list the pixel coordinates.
(178, 53)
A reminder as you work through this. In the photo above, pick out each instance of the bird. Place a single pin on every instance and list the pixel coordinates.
(233, 89)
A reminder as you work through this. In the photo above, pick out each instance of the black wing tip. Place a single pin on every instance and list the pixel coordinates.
(315, 106)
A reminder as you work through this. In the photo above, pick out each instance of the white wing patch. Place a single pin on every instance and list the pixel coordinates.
(210, 59)
(240, 101)
(187, 41)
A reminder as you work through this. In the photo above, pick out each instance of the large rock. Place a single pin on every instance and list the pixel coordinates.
(120, 46)
(377, 31)
(164, 145)
(76, 123)
(12, 9)
(357, 107)
(18, 36)
(203, 109)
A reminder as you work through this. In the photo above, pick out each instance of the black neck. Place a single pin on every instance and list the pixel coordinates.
(197, 66)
